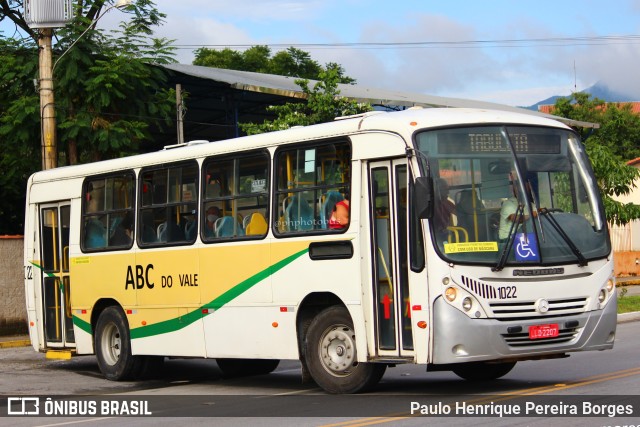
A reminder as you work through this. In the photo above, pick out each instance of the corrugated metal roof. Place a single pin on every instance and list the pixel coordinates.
(286, 86)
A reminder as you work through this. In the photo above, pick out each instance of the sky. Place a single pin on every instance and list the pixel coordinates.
(515, 52)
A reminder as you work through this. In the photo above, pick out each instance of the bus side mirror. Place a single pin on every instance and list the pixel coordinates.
(423, 203)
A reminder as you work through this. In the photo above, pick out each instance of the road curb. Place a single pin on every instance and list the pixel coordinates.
(15, 343)
(629, 317)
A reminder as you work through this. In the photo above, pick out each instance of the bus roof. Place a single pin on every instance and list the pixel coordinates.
(404, 123)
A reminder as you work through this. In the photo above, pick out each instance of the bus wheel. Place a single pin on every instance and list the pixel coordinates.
(113, 346)
(245, 367)
(330, 352)
(483, 371)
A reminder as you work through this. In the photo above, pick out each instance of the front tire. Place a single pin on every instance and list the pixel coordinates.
(113, 346)
(330, 353)
(482, 371)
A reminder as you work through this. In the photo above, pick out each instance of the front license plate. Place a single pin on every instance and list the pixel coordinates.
(543, 331)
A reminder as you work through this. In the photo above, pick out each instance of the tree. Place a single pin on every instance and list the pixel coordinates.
(616, 140)
(108, 95)
(323, 105)
(291, 62)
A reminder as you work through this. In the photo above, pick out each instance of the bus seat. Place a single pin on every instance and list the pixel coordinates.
(299, 214)
(161, 229)
(171, 232)
(95, 235)
(224, 226)
(256, 225)
(114, 225)
(190, 230)
(330, 200)
(148, 234)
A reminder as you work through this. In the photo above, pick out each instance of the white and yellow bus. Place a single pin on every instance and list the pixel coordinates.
(228, 250)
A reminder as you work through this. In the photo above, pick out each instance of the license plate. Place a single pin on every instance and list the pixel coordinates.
(543, 331)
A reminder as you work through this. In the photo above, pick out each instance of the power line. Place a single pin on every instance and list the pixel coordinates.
(457, 44)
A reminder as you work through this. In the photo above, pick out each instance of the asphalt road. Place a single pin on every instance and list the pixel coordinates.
(193, 392)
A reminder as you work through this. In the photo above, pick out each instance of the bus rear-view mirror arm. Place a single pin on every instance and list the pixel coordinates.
(423, 202)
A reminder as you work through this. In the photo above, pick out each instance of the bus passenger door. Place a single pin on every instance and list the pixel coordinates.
(388, 210)
(56, 284)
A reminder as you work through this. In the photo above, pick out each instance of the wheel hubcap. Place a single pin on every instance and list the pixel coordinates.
(338, 351)
(111, 344)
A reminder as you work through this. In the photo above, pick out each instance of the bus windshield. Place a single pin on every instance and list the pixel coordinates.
(513, 195)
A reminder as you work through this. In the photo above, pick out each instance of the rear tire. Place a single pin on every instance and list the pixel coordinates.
(483, 371)
(113, 346)
(246, 367)
(330, 353)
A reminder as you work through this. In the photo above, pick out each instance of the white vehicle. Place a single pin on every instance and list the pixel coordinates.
(232, 250)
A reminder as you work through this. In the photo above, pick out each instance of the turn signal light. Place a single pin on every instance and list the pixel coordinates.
(451, 294)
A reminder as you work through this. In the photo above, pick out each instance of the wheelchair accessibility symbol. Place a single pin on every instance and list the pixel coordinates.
(526, 247)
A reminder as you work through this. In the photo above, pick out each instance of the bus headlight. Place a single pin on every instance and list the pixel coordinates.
(602, 296)
(467, 304)
(450, 294)
(611, 284)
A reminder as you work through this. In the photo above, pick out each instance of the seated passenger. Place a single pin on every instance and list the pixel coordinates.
(340, 216)
(213, 213)
(123, 232)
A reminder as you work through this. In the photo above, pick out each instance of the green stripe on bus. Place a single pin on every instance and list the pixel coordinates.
(176, 324)
(41, 268)
(85, 326)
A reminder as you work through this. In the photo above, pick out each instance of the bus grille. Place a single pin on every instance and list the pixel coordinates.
(526, 310)
(521, 339)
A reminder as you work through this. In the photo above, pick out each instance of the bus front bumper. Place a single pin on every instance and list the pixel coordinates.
(460, 339)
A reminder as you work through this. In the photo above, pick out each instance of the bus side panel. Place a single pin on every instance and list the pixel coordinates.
(168, 317)
(236, 292)
(340, 277)
(96, 277)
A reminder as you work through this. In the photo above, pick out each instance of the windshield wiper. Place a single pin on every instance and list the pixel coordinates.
(507, 248)
(582, 261)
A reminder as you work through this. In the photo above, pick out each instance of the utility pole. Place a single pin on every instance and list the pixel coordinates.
(47, 105)
(180, 114)
(44, 16)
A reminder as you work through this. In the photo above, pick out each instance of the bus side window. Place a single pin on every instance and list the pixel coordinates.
(236, 195)
(169, 203)
(107, 212)
(310, 181)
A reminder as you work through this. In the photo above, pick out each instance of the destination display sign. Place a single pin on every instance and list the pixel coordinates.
(474, 142)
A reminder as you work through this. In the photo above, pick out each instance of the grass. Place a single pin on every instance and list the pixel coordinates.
(628, 303)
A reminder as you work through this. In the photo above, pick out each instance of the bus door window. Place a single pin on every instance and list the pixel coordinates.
(403, 258)
(384, 289)
(55, 268)
(390, 216)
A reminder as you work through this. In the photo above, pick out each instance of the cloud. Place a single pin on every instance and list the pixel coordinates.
(509, 73)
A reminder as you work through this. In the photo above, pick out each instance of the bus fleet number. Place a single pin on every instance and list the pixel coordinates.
(507, 292)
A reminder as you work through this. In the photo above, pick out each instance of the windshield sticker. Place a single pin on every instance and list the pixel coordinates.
(454, 248)
(526, 247)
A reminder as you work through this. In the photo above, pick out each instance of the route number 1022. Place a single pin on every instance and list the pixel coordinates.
(507, 292)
